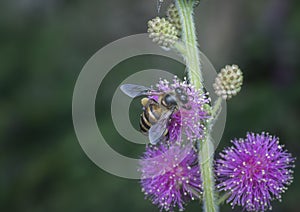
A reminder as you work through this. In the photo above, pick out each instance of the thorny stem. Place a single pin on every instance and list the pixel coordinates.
(192, 57)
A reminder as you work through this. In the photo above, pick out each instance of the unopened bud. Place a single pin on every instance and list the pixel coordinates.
(174, 18)
(228, 82)
(162, 32)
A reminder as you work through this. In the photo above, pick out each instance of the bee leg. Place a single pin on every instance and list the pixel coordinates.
(195, 148)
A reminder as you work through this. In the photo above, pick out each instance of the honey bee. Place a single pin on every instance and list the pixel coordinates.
(156, 113)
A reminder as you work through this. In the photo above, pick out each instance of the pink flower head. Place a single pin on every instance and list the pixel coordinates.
(187, 120)
(170, 175)
(255, 171)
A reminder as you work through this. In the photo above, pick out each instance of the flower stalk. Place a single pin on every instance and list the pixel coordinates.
(251, 173)
(215, 112)
(206, 153)
(192, 57)
(180, 48)
(223, 198)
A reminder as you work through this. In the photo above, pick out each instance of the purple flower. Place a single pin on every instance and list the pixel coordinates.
(170, 175)
(255, 171)
(186, 121)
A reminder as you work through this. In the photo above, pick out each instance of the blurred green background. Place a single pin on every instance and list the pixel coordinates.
(44, 45)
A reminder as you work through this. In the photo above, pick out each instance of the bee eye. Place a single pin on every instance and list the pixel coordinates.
(178, 90)
(169, 100)
(184, 99)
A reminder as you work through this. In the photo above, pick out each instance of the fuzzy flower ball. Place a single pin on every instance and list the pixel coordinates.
(255, 171)
(228, 82)
(170, 176)
(174, 18)
(162, 32)
(186, 121)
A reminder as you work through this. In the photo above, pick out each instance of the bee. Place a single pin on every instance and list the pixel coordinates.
(156, 113)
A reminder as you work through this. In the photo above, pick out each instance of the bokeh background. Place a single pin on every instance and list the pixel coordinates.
(44, 45)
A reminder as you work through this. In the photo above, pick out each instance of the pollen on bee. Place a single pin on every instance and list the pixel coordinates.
(144, 101)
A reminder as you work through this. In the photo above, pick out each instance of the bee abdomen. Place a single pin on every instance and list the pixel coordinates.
(166, 133)
(144, 123)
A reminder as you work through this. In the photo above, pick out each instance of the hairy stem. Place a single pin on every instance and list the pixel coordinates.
(223, 198)
(215, 112)
(206, 160)
(192, 57)
(180, 47)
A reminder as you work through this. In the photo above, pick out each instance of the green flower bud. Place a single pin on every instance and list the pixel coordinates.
(228, 82)
(162, 32)
(174, 18)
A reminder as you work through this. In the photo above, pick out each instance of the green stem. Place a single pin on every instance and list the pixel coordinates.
(206, 154)
(223, 198)
(180, 47)
(217, 108)
(192, 57)
(215, 112)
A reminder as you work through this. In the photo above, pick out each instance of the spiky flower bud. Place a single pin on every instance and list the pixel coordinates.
(174, 18)
(228, 82)
(162, 32)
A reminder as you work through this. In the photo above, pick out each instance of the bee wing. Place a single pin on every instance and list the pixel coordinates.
(135, 90)
(157, 130)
